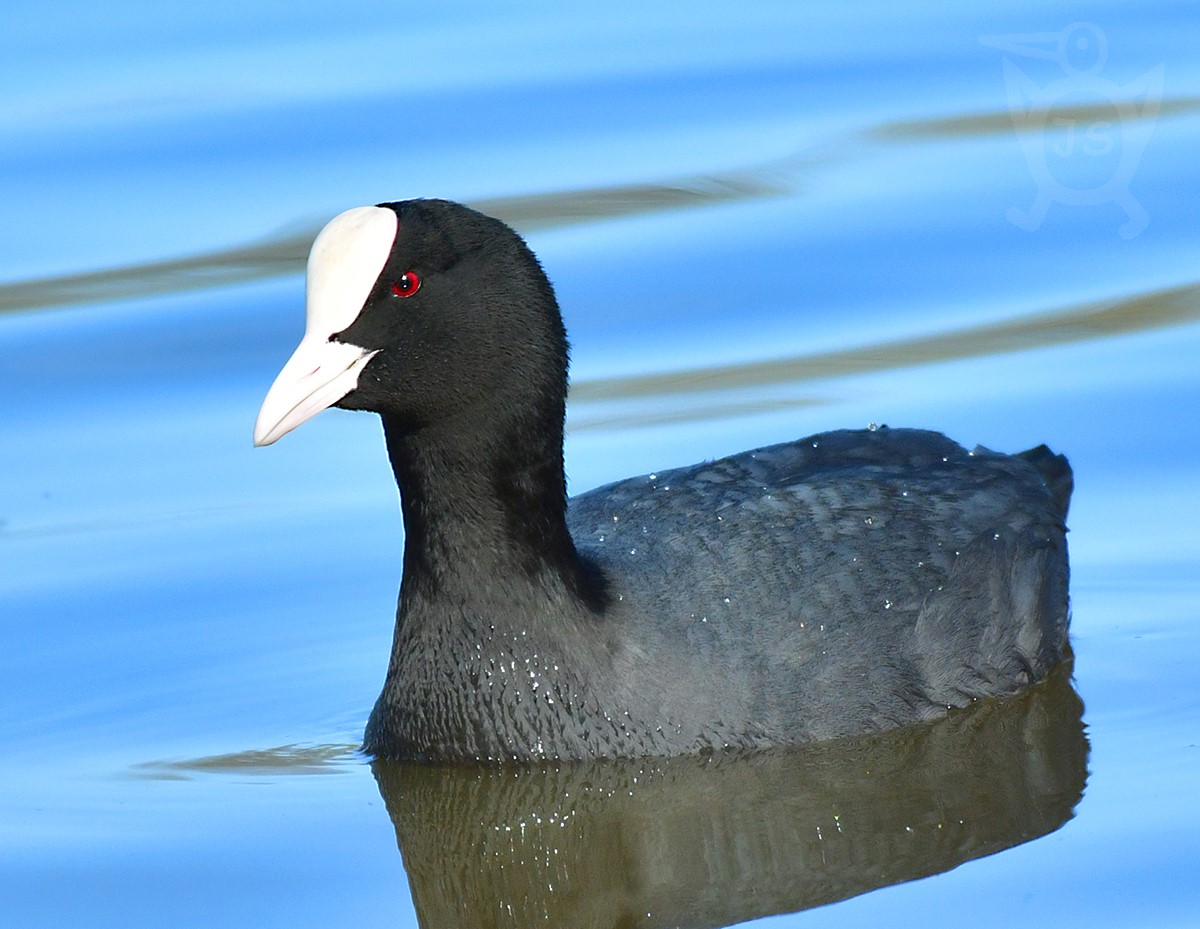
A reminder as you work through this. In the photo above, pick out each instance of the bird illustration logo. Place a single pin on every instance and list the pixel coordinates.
(1082, 134)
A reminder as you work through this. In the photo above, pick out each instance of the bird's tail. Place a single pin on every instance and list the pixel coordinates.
(1056, 472)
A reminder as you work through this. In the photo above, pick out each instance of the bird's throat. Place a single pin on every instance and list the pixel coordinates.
(472, 504)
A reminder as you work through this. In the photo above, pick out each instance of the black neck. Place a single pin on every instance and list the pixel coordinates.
(485, 502)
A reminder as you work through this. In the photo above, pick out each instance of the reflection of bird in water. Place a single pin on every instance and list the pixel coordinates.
(715, 841)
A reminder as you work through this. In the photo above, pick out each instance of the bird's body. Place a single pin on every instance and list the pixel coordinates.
(846, 582)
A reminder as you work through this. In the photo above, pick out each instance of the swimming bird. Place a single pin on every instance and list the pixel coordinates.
(846, 582)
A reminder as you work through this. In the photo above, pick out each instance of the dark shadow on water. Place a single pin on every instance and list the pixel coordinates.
(713, 841)
(1034, 119)
(286, 252)
(721, 388)
(1081, 323)
(283, 760)
(717, 385)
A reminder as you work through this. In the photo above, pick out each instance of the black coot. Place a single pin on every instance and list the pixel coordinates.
(846, 582)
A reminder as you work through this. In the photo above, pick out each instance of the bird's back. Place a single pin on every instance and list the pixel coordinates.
(848, 581)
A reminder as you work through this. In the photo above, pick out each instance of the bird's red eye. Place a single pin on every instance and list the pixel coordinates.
(407, 284)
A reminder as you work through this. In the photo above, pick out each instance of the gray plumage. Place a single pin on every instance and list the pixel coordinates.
(847, 582)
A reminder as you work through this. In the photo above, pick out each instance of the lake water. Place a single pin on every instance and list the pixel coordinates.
(763, 221)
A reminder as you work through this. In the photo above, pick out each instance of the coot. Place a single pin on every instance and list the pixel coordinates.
(846, 582)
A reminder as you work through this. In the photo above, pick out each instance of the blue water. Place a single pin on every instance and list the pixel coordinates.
(762, 221)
